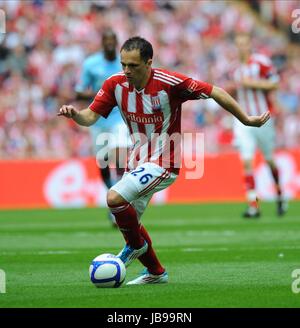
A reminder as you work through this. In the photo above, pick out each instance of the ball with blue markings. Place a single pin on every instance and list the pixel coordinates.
(107, 270)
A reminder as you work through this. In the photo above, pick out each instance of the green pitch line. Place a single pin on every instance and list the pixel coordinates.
(213, 256)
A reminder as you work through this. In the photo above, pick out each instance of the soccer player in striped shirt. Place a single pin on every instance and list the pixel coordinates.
(254, 78)
(150, 102)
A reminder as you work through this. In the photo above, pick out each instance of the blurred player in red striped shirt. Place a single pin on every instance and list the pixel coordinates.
(254, 78)
(150, 102)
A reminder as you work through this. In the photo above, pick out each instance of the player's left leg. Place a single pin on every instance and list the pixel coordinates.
(281, 204)
(245, 142)
(266, 142)
(153, 272)
(149, 260)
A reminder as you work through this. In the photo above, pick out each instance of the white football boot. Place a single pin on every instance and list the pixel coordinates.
(148, 278)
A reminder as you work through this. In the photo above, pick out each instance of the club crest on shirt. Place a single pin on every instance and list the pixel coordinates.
(155, 102)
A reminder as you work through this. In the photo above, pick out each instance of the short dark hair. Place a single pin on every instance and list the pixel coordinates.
(108, 32)
(138, 43)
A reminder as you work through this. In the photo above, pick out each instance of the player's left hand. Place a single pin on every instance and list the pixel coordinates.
(258, 120)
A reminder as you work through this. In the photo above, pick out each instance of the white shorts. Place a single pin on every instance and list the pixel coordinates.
(248, 138)
(138, 186)
(116, 136)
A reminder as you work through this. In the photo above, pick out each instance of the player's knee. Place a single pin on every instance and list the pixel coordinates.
(114, 199)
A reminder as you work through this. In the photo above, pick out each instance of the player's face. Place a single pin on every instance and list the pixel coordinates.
(243, 45)
(109, 43)
(134, 67)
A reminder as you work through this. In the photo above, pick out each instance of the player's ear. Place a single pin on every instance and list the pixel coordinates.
(149, 62)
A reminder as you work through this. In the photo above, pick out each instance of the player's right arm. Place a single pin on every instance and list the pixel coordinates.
(102, 105)
(85, 117)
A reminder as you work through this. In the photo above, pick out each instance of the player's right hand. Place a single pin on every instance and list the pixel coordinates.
(67, 111)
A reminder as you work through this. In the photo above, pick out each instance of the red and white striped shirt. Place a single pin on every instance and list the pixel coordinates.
(153, 114)
(255, 101)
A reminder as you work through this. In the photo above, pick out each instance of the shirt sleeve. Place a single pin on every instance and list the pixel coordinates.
(191, 89)
(105, 100)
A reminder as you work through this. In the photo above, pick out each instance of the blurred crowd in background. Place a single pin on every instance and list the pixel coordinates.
(45, 43)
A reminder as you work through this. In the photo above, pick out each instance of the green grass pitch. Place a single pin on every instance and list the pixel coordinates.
(213, 256)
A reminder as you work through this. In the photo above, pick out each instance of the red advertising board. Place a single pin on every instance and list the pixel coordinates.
(76, 183)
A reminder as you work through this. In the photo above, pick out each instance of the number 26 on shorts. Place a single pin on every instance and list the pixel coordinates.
(144, 178)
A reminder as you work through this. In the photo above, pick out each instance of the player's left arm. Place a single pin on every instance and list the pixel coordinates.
(228, 103)
(268, 79)
(261, 84)
(191, 89)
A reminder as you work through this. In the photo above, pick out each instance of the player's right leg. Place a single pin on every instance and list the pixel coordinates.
(252, 210)
(245, 141)
(128, 223)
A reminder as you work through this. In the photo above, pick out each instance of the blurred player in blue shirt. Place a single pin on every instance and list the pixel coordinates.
(96, 69)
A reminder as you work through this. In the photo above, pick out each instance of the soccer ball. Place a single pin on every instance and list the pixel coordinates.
(107, 270)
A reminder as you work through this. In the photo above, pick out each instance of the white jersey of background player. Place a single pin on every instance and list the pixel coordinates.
(254, 78)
